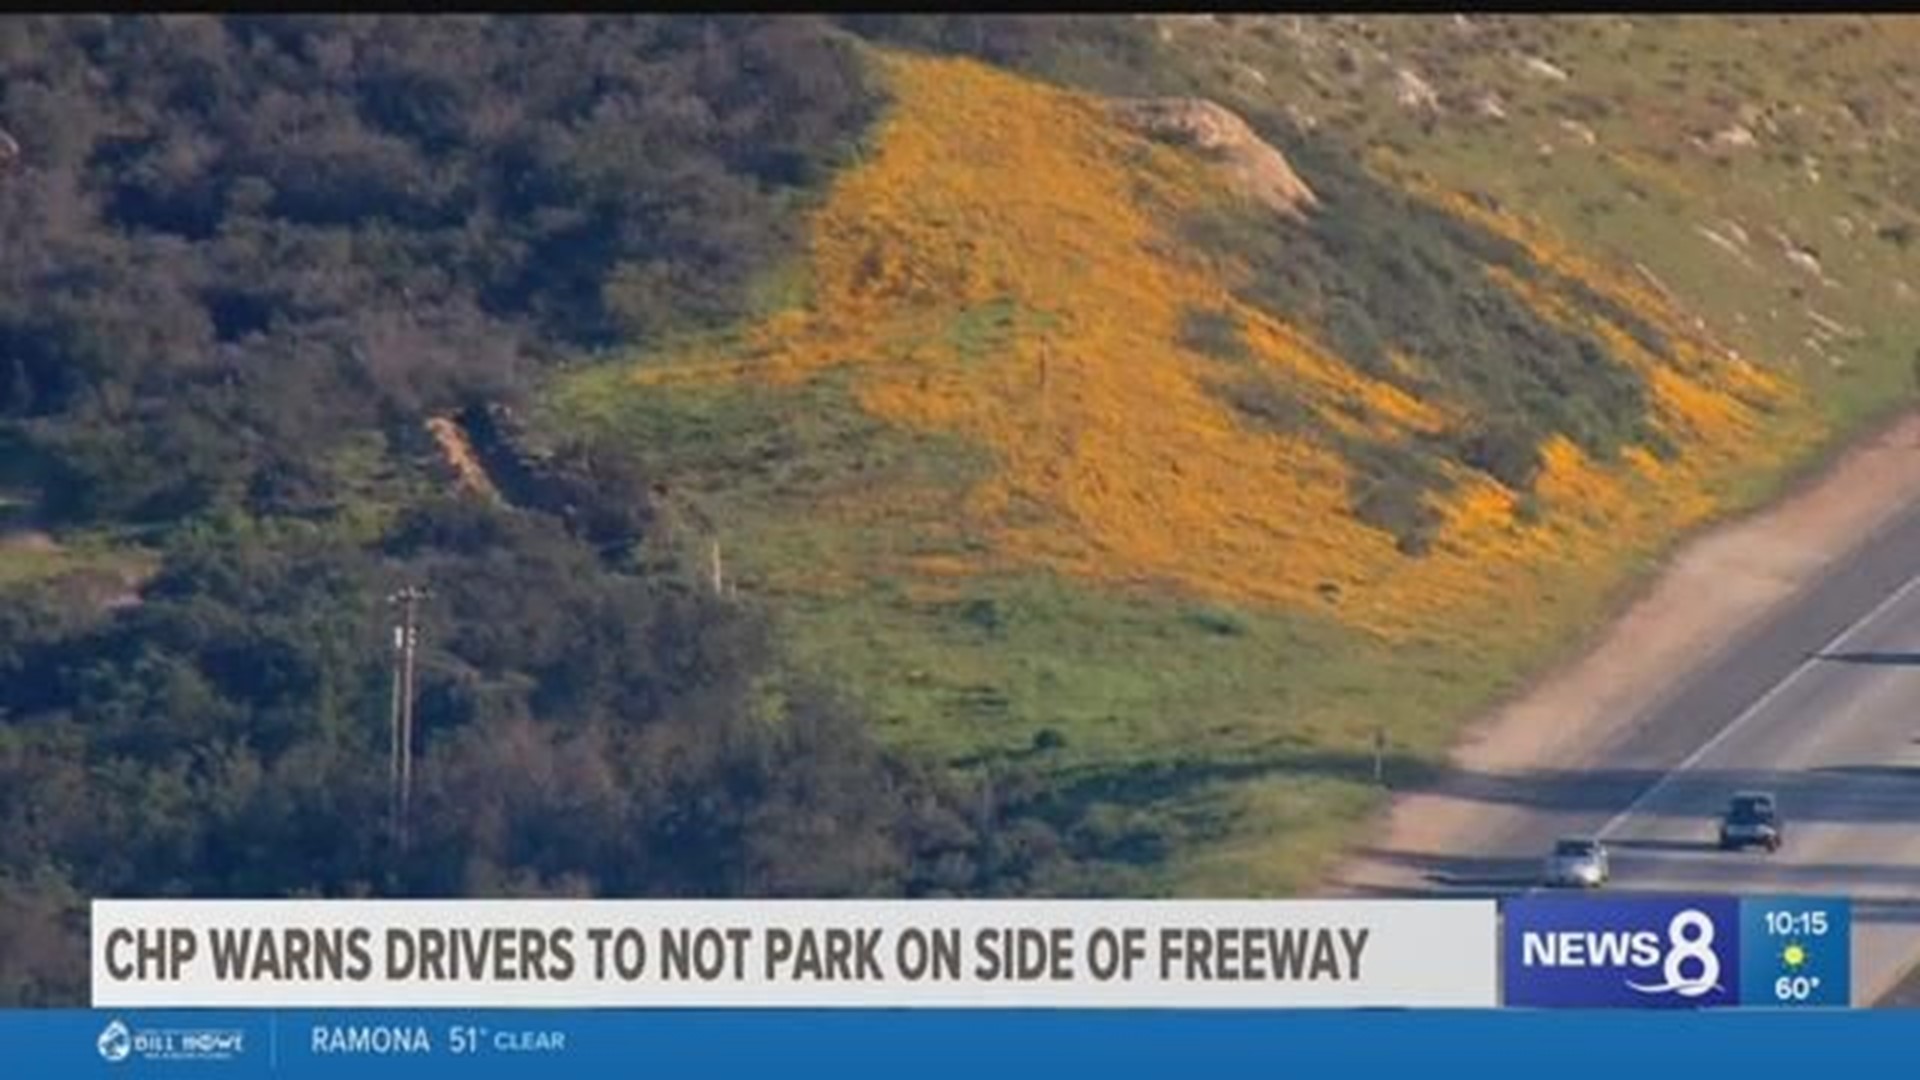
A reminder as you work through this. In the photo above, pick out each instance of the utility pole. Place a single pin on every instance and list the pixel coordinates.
(406, 642)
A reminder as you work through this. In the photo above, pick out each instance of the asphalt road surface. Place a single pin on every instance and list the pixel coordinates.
(1820, 704)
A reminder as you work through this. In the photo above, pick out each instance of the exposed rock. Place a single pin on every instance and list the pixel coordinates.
(1736, 137)
(1737, 250)
(1579, 131)
(1536, 66)
(1414, 92)
(1255, 167)
(1805, 260)
(1658, 285)
(1903, 292)
(1833, 328)
(1490, 106)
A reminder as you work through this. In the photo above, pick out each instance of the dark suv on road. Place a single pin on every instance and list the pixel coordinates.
(1752, 819)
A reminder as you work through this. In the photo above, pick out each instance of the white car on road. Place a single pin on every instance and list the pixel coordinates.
(1578, 862)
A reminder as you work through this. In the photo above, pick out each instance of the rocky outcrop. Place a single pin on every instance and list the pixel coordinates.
(1736, 137)
(1535, 66)
(1255, 168)
(1414, 92)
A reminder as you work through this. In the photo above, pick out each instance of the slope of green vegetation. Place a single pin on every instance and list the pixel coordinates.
(1266, 711)
(245, 258)
(1753, 167)
(1189, 741)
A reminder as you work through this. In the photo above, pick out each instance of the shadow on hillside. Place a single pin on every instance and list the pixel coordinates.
(1175, 800)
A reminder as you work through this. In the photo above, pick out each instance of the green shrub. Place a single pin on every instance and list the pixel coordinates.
(984, 613)
(1216, 621)
(1265, 402)
(1048, 739)
(1389, 490)
(1506, 451)
(1215, 333)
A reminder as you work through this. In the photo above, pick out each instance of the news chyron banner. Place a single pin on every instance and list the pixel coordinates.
(1686, 952)
(362, 954)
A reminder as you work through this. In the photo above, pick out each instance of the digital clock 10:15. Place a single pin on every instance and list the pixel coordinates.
(1796, 952)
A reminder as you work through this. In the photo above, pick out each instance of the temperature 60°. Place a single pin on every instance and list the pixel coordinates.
(1795, 987)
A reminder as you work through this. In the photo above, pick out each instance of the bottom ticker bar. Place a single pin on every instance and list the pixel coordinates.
(935, 1043)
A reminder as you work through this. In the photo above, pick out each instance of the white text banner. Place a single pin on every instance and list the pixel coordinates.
(794, 953)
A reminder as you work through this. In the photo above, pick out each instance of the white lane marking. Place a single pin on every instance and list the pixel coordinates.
(1759, 705)
(1751, 711)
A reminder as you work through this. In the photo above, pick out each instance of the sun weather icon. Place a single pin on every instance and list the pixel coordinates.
(1794, 956)
(1796, 951)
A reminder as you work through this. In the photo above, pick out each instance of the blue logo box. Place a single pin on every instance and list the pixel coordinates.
(1621, 952)
(1675, 952)
(1796, 951)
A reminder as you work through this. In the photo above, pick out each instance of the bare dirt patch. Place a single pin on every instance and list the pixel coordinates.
(457, 450)
(28, 541)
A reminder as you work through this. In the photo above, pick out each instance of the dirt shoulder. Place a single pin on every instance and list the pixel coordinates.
(1712, 589)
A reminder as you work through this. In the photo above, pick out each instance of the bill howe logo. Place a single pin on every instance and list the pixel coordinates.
(118, 1042)
(115, 1042)
(1636, 952)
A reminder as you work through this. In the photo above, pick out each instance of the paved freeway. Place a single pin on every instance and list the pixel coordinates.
(1819, 703)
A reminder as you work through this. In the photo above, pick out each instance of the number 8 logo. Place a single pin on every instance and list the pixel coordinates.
(1685, 946)
(1696, 946)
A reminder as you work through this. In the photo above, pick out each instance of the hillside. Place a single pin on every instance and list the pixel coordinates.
(1752, 168)
(1042, 460)
(249, 261)
(1005, 268)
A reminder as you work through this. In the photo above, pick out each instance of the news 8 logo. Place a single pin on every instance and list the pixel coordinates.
(1621, 952)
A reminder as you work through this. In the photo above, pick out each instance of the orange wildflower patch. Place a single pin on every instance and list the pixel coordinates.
(1114, 458)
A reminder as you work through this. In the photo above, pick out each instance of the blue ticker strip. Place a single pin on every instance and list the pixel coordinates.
(925, 1044)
